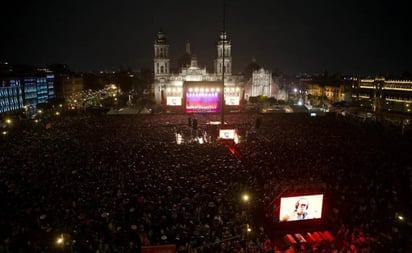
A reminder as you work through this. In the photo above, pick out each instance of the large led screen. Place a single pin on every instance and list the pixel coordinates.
(230, 100)
(174, 101)
(202, 102)
(228, 134)
(303, 207)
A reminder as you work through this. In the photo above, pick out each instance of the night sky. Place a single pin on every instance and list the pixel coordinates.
(297, 36)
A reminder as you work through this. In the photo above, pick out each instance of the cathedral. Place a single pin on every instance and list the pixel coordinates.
(195, 90)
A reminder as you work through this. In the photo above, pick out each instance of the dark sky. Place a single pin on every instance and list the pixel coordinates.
(294, 36)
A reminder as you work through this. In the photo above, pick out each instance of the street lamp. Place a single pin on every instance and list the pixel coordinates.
(60, 240)
(246, 198)
(248, 230)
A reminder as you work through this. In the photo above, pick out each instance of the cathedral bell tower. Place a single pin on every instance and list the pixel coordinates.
(161, 68)
(224, 56)
(161, 56)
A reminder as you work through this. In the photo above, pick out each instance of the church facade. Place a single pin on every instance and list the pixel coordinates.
(175, 89)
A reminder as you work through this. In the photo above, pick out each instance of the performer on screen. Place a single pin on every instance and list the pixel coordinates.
(300, 212)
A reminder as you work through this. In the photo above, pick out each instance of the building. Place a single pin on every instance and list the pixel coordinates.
(25, 88)
(262, 84)
(325, 90)
(192, 81)
(381, 95)
(11, 95)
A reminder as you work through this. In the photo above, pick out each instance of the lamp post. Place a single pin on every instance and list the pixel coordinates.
(245, 199)
(63, 243)
(248, 230)
(60, 242)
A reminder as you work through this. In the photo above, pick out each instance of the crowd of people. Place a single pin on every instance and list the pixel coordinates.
(116, 183)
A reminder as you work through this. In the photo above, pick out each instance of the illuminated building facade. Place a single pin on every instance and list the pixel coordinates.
(11, 95)
(23, 91)
(262, 84)
(381, 95)
(332, 93)
(178, 89)
(326, 90)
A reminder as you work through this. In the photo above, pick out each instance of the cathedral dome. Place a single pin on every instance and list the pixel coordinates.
(250, 68)
(186, 59)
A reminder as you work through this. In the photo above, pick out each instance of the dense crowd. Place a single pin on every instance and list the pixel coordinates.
(117, 183)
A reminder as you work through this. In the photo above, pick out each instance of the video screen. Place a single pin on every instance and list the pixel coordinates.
(227, 134)
(230, 100)
(304, 207)
(198, 102)
(174, 101)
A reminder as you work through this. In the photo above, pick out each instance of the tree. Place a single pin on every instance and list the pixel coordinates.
(124, 80)
(253, 100)
(138, 85)
(107, 102)
(272, 100)
(262, 99)
(56, 101)
(44, 106)
(93, 82)
(122, 100)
